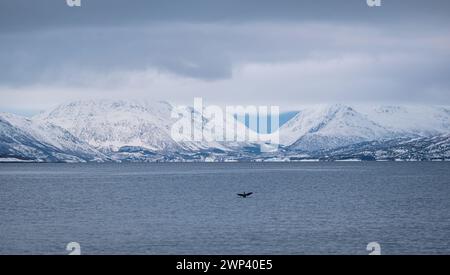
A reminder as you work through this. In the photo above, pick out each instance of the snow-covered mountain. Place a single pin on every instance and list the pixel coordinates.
(423, 121)
(105, 130)
(331, 126)
(110, 125)
(130, 127)
(435, 148)
(30, 140)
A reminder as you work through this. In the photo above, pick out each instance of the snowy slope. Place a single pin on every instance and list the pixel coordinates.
(408, 149)
(413, 119)
(26, 139)
(331, 126)
(111, 125)
(141, 131)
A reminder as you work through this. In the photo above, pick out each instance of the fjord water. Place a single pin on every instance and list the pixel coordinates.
(192, 208)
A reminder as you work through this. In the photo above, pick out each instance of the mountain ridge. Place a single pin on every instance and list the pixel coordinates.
(121, 130)
(332, 126)
(26, 139)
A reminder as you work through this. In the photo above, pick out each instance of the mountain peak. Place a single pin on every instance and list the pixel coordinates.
(329, 126)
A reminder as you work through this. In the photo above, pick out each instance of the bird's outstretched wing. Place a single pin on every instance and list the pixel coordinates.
(244, 195)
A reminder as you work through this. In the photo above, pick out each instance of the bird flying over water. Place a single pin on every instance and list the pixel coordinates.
(244, 195)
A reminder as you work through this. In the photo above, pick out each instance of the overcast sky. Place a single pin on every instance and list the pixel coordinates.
(284, 52)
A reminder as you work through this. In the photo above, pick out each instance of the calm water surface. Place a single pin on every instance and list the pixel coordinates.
(299, 208)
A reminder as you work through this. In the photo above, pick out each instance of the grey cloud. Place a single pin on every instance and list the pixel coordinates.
(23, 15)
(303, 50)
(211, 51)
